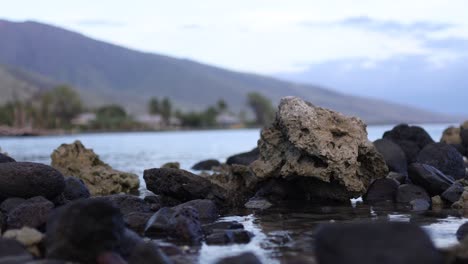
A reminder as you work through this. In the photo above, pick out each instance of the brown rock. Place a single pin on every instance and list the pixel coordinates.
(451, 135)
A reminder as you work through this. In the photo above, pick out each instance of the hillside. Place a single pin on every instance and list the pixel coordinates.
(116, 74)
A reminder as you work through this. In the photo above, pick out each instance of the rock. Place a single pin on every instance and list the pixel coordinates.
(393, 155)
(224, 237)
(207, 209)
(462, 231)
(181, 224)
(27, 179)
(75, 160)
(400, 178)
(4, 158)
(462, 203)
(75, 189)
(430, 178)
(451, 135)
(464, 125)
(315, 143)
(410, 148)
(244, 258)
(414, 134)
(32, 213)
(381, 190)
(11, 249)
(206, 164)
(83, 229)
(245, 158)
(10, 203)
(258, 203)
(437, 201)
(171, 165)
(409, 192)
(28, 237)
(209, 229)
(464, 138)
(148, 253)
(370, 243)
(182, 185)
(137, 221)
(127, 203)
(453, 193)
(419, 204)
(444, 158)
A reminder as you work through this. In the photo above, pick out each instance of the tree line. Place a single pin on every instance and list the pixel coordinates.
(57, 108)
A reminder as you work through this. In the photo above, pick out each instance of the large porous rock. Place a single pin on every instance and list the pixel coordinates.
(451, 135)
(75, 160)
(316, 143)
(75, 189)
(182, 185)
(4, 158)
(27, 179)
(33, 212)
(181, 224)
(393, 155)
(410, 138)
(430, 178)
(245, 158)
(206, 164)
(82, 230)
(370, 243)
(444, 158)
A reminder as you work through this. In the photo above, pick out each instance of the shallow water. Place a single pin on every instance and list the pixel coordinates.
(281, 233)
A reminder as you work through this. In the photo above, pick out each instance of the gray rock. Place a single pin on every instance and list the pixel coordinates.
(393, 155)
(206, 164)
(4, 158)
(207, 209)
(244, 258)
(245, 158)
(453, 193)
(430, 178)
(148, 253)
(381, 190)
(409, 192)
(33, 212)
(75, 189)
(444, 158)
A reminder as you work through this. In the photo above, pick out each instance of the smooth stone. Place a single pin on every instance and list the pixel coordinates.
(430, 178)
(393, 155)
(223, 225)
(258, 203)
(381, 190)
(207, 209)
(206, 164)
(245, 158)
(75, 189)
(13, 249)
(444, 158)
(137, 221)
(148, 253)
(5, 159)
(462, 231)
(453, 193)
(400, 178)
(244, 258)
(419, 205)
(409, 192)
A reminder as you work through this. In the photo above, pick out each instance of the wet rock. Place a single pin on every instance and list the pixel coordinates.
(75, 189)
(209, 229)
(11, 249)
(206, 164)
(137, 221)
(409, 192)
(127, 203)
(171, 165)
(245, 158)
(381, 190)
(419, 204)
(224, 237)
(430, 178)
(10, 203)
(128, 242)
(32, 213)
(444, 158)
(4, 158)
(462, 203)
(181, 224)
(393, 155)
(148, 253)
(258, 203)
(453, 193)
(182, 185)
(82, 230)
(75, 160)
(462, 231)
(451, 135)
(27, 179)
(370, 243)
(207, 209)
(244, 258)
(437, 201)
(316, 143)
(28, 237)
(400, 178)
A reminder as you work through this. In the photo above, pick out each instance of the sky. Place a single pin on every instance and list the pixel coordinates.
(264, 36)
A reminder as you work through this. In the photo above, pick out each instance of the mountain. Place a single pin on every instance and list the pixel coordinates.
(115, 74)
(413, 80)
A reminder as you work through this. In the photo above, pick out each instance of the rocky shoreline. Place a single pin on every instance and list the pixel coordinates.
(81, 210)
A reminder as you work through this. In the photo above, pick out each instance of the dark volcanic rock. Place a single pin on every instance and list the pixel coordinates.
(430, 178)
(208, 229)
(75, 189)
(4, 158)
(410, 148)
(444, 158)
(32, 213)
(224, 237)
(12, 250)
(462, 231)
(148, 253)
(181, 224)
(207, 209)
(10, 203)
(244, 258)
(370, 243)
(182, 185)
(381, 190)
(419, 205)
(137, 221)
(393, 155)
(83, 229)
(206, 165)
(245, 158)
(409, 192)
(26, 180)
(415, 134)
(400, 178)
(127, 203)
(453, 193)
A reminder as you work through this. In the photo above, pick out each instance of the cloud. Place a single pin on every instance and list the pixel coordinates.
(191, 26)
(99, 23)
(452, 43)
